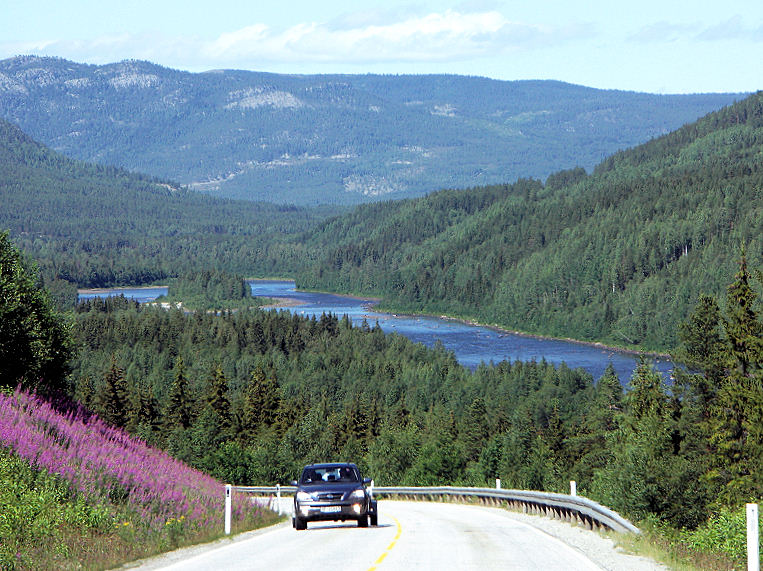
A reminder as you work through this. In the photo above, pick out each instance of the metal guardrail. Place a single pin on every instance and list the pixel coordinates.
(577, 509)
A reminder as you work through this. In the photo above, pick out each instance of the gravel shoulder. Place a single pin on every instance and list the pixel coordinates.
(598, 547)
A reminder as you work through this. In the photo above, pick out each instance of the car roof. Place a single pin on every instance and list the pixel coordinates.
(331, 465)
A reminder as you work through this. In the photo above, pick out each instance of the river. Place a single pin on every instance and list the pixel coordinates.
(471, 344)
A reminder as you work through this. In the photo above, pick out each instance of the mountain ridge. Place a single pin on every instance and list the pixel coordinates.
(327, 138)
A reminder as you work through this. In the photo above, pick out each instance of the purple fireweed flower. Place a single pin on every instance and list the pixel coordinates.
(101, 462)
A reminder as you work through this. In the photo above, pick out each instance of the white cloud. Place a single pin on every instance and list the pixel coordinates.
(375, 16)
(661, 32)
(734, 28)
(440, 36)
(386, 37)
(230, 40)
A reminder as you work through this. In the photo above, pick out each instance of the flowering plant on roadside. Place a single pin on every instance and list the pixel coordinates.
(143, 492)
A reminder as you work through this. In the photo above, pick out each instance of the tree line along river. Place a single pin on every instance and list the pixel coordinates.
(471, 344)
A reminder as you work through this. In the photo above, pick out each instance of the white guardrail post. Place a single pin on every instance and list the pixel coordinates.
(573, 488)
(228, 492)
(753, 541)
(278, 497)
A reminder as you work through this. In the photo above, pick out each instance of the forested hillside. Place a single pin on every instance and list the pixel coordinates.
(329, 138)
(97, 226)
(617, 256)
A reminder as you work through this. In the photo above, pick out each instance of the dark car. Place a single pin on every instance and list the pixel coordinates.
(333, 492)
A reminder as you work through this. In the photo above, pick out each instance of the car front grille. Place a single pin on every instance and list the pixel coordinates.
(329, 496)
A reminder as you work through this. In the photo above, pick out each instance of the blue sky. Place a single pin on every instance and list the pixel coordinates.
(666, 46)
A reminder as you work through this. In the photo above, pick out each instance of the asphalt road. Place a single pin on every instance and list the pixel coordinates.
(410, 535)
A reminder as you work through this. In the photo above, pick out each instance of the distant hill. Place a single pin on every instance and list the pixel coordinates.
(99, 226)
(328, 138)
(618, 256)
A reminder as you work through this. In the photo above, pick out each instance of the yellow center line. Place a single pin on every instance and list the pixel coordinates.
(390, 546)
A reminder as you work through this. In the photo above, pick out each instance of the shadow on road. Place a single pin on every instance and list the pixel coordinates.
(318, 526)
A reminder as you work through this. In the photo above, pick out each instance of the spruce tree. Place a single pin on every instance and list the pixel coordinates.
(217, 399)
(262, 402)
(743, 328)
(703, 346)
(84, 391)
(554, 434)
(644, 474)
(34, 343)
(178, 410)
(111, 400)
(704, 350)
(476, 430)
(736, 424)
(647, 396)
(142, 415)
(608, 398)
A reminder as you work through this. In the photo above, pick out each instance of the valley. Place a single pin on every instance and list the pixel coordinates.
(654, 247)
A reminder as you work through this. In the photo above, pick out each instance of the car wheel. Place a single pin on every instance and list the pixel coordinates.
(300, 523)
(363, 521)
(374, 519)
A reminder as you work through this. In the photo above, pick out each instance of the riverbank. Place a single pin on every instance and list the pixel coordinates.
(375, 301)
(595, 344)
(503, 330)
(281, 302)
(97, 290)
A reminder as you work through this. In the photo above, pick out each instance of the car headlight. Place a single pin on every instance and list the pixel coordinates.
(303, 497)
(358, 494)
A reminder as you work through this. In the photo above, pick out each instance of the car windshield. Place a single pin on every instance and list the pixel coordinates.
(330, 474)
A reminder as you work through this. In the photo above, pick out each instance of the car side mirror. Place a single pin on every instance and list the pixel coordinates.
(366, 481)
(293, 482)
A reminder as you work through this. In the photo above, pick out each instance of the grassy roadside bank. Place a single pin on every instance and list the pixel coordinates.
(76, 493)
